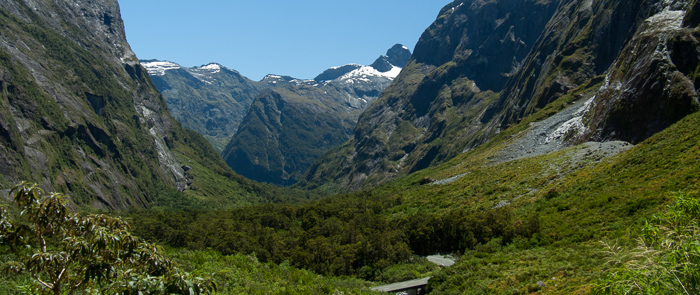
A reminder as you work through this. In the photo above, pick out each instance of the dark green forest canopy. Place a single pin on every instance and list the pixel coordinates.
(343, 235)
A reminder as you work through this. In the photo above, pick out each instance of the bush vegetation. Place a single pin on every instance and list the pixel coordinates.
(59, 252)
(344, 235)
(245, 274)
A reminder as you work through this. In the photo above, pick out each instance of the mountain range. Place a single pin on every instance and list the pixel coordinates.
(479, 69)
(210, 99)
(288, 127)
(272, 130)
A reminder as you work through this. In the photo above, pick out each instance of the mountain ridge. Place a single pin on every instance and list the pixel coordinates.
(210, 99)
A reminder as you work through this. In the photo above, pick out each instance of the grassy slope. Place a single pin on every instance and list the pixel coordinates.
(579, 203)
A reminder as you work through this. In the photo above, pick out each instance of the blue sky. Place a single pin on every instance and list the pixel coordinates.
(257, 37)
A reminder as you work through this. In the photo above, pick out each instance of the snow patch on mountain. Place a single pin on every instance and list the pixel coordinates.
(158, 68)
(457, 7)
(213, 68)
(277, 79)
(204, 77)
(204, 73)
(366, 73)
(338, 67)
(393, 73)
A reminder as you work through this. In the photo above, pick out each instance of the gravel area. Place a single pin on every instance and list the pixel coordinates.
(548, 136)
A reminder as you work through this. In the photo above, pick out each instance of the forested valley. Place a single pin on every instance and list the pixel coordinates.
(549, 147)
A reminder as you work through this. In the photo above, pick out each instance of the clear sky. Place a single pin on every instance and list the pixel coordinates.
(299, 38)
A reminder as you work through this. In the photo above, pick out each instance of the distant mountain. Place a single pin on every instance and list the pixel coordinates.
(213, 99)
(210, 99)
(79, 115)
(336, 72)
(289, 126)
(398, 56)
(625, 70)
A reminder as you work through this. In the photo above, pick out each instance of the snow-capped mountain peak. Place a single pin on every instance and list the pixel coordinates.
(205, 73)
(213, 68)
(366, 73)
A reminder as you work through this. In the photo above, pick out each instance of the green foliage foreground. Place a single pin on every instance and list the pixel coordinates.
(65, 252)
(666, 259)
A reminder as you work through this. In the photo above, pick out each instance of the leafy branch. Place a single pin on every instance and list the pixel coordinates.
(64, 251)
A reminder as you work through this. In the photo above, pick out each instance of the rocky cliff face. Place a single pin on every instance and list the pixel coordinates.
(290, 126)
(484, 66)
(79, 113)
(651, 85)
